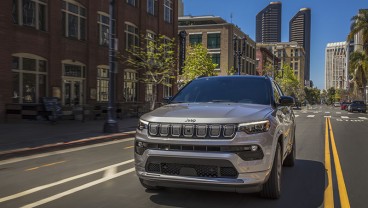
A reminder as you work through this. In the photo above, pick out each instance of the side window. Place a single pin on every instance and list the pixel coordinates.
(276, 93)
(279, 89)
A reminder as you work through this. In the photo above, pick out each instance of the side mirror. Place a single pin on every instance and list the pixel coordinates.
(286, 101)
(167, 100)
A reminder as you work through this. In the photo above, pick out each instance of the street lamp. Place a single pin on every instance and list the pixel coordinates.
(111, 125)
(239, 51)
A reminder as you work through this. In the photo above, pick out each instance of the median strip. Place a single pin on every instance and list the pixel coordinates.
(344, 199)
(329, 199)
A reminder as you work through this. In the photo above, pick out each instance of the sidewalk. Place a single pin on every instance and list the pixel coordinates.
(32, 134)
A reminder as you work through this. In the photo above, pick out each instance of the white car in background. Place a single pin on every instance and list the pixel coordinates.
(336, 104)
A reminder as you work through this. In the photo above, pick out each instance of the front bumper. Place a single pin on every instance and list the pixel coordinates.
(251, 174)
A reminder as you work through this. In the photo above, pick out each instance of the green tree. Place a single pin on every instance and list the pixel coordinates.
(157, 61)
(288, 82)
(197, 63)
(331, 95)
(359, 70)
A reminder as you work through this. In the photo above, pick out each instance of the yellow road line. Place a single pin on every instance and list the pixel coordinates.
(46, 165)
(329, 201)
(128, 147)
(344, 199)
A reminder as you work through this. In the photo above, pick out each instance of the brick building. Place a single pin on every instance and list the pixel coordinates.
(217, 36)
(60, 48)
(265, 58)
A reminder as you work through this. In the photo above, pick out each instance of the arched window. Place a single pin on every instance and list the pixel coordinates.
(102, 83)
(130, 85)
(31, 13)
(132, 36)
(29, 78)
(103, 28)
(74, 20)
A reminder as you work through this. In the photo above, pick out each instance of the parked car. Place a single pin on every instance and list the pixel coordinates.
(336, 104)
(357, 105)
(224, 133)
(344, 105)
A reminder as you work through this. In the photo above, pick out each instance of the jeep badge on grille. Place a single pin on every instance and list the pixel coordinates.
(190, 120)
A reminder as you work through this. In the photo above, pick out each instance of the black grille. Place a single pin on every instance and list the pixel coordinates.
(153, 168)
(228, 172)
(208, 171)
(200, 131)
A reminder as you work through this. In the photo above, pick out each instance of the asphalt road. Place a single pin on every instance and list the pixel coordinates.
(102, 175)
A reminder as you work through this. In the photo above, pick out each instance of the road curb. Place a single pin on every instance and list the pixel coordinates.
(63, 145)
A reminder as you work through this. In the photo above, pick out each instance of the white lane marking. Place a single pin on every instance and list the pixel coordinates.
(345, 117)
(296, 116)
(338, 119)
(316, 112)
(304, 112)
(327, 116)
(111, 171)
(36, 189)
(311, 116)
(327, 112)
(364, 118)
(76, 189)
(5, 162)
(338, 112)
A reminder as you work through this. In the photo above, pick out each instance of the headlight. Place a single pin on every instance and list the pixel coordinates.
(255, 127)
(142, 125)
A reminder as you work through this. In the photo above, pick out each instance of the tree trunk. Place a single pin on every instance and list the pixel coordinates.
(153, 101)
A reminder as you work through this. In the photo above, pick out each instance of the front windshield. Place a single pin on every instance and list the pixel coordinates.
(225, 89)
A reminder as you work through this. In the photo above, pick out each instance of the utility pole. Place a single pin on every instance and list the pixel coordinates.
(111, 125)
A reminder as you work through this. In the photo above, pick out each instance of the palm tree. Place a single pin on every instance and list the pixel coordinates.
(360, 24)
(358, 65)
(359, 69)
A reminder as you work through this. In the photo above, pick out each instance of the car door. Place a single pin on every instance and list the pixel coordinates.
(288, 122)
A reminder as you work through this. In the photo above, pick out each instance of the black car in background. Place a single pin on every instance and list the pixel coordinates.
(357, 105)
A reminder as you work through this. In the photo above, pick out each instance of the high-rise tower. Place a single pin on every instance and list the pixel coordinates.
(268, 24)
(300, 32)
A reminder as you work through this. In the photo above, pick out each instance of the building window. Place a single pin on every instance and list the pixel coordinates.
(216, 59)
(195, 39)
(102, 84)
(74, 20)
(103, 28)
(131, 2)
(213, 40)
(30, 13)
(132, 36)
(73, 85)
(151, 7)
(167, 88)
(29, 78)
(130, 86)
(151, 39)
(149, 92)
(168, 11)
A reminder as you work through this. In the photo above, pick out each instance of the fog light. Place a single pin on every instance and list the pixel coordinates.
(254, 148)
(140, 144)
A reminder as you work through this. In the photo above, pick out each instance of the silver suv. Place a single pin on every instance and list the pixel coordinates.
(230, 133)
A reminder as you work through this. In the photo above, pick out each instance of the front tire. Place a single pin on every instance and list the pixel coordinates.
(290, 159)
(272, 188)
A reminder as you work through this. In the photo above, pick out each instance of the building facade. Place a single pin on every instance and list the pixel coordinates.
(335, 66)
(300, 32)
(217, 36)
(290, 54)
(266, 61)
(268, 24)
(60, 49)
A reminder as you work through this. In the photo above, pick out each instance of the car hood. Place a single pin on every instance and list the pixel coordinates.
(208, 113)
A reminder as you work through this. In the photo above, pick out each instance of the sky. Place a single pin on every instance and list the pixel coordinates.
(330, 21)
